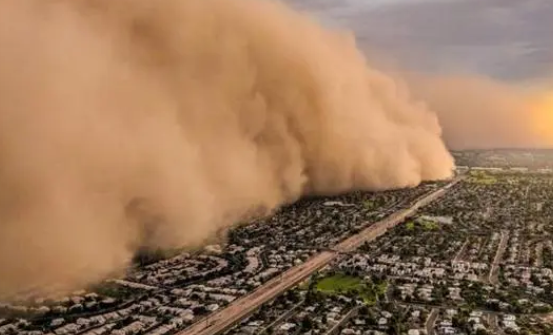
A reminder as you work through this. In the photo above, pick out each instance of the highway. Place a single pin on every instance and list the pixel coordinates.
(222, 320)
(494, 270)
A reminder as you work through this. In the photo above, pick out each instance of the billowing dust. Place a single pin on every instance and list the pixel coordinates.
(478, 112)
(136, 123)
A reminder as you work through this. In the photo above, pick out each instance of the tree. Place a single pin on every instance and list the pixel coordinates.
(200, 310)
(306, 323)
(458, 321)
(396, 292)
(481, 331)
(310, 298)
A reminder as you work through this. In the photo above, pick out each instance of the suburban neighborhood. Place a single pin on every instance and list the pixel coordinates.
(478, 260)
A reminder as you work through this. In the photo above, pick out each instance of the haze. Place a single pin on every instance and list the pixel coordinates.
(484, 66)
(128, 124)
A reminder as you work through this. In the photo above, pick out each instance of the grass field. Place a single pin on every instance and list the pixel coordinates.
(368, 204)
(482, 178)
(424, 224)
(339, 283)
(343, 284)
(483, 181)
(429, 225)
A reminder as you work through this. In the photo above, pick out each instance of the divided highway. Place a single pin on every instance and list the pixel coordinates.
(222, 320)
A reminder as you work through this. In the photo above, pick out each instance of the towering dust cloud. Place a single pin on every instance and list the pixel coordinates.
(131, 122)
(478, 112)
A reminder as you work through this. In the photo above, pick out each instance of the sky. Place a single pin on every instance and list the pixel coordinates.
(510, 40)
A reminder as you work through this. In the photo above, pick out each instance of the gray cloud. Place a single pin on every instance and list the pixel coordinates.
(505, 39)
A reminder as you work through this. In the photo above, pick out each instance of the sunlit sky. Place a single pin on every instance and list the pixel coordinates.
(505, 39)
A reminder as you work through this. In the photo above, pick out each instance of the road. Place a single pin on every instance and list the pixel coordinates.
(494, 270)
(431, 321)
(539, 254)
(459, 254)
(240, 308)
(131, 284)
(379, 228)
(493, 324)
(334, 329)
(281, 319)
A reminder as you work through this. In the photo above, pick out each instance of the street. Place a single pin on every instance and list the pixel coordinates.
(222, 320)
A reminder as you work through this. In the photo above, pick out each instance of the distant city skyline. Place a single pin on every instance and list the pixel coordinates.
(505, 39)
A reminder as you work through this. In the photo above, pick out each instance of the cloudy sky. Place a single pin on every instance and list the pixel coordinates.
(505, 39)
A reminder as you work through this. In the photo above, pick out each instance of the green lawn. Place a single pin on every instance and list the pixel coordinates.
(368, 204)
(429, 225)
(339, 283)
(425, 224)
(482, 179)
(382, 288)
